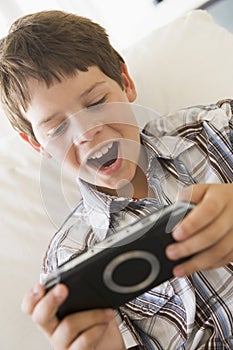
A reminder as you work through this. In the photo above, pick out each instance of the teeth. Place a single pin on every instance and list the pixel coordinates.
(102, 151)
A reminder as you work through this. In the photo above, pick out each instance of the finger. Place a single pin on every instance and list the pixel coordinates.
(193, 193)
(72, 326)
(226, 260)
(32, 298)
(44, 314)
(89, 339)
(217, 255)
(202, 240)
(208, 209)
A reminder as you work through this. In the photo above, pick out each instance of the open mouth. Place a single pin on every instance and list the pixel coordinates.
(105, 156)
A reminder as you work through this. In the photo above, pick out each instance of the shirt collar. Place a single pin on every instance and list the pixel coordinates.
(165, 147)
(99, 206)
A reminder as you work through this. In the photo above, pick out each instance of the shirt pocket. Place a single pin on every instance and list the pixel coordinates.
(152, 302)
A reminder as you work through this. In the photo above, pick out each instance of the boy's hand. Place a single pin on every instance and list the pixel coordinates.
(206, 231)
(95, 329)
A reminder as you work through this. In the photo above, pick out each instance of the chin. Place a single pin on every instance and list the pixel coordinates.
(118, 183)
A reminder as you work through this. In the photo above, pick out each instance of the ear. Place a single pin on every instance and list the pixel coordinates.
(31, 142)
(128, 83)
(34, 144)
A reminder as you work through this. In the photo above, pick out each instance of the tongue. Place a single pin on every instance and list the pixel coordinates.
(110, 162)
(107, 159)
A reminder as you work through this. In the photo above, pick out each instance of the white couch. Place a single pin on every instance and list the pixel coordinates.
(189, 61)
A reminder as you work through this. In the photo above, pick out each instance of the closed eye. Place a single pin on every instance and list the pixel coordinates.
(55, 132)
(101, 101)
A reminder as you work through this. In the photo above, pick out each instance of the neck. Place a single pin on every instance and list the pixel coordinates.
(137, 188)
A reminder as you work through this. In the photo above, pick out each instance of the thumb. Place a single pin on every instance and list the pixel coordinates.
(194, 193)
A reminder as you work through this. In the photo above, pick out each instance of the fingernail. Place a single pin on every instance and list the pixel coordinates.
(179, 271)
(58, 292)
(172, 251)
(109, 313)
(178, 233)
(35, 290)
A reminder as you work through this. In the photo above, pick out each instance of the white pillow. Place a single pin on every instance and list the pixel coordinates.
(27, 223)
(187, 62)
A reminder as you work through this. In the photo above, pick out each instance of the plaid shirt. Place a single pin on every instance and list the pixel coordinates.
(191, 146)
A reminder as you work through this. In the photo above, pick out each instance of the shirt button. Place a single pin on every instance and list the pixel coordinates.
(213, 300)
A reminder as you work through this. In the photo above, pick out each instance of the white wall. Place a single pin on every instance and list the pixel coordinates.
(126, 21)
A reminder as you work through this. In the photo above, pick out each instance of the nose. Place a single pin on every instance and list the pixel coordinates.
(88, 135)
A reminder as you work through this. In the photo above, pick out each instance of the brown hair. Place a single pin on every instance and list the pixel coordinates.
(46, 46)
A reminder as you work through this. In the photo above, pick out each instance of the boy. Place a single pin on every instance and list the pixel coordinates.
(67, 92)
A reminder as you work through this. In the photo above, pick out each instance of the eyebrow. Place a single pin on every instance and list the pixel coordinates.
(84, 94)
(46, 120)
(88, 91)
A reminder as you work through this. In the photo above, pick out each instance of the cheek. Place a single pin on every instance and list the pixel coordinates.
(72, 157)
(131, 135)
(118, 113)
(130, 152)
(67, 158)
(131, 146)
(60, 148)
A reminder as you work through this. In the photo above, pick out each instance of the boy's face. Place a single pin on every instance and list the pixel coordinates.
(86, 123)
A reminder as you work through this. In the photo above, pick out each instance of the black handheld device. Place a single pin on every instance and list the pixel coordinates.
(122, 266)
